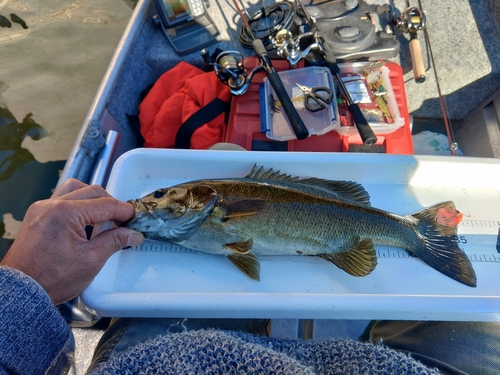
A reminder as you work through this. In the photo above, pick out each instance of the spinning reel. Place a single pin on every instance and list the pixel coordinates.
(230, 70)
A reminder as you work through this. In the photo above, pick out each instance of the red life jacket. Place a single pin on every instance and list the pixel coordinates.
(178, 95)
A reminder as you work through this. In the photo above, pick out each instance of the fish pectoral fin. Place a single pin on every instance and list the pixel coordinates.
(360, 260)
(246, 263)
(242, 207)
(242, 247)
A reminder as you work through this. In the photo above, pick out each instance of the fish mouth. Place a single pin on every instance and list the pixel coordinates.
(133, 218)
(142, 207)
(139, 207)
(130, 222)
(143, 210)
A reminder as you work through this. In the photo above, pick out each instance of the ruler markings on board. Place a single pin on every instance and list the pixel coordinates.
(480, 239)
(498, 241)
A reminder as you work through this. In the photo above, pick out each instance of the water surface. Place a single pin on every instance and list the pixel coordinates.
(53, 55)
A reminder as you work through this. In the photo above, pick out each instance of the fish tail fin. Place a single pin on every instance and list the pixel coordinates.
(437, 232)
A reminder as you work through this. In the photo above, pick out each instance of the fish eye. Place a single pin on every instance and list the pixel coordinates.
(158, 194)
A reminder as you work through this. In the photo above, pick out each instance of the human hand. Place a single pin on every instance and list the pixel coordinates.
(52, 245)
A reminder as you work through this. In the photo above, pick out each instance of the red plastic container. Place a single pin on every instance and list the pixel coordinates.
(244, 122)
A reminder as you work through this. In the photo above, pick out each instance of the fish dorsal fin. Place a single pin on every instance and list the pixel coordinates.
(269, 174)
(246, 263)
(360, 260)
(242, 207)
(346, 190)
(243, 247)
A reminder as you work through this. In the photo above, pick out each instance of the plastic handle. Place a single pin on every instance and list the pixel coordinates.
(416, 59)
(296, 122)
(365, 131)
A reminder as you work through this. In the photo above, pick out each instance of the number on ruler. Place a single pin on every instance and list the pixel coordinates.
(460, 239)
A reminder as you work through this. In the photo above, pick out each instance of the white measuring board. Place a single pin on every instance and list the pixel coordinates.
(164, 280)
(480, 239)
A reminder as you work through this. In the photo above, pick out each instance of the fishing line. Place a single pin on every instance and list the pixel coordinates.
(262, 6)
(277, 16)
(223, 14)
(449, 130)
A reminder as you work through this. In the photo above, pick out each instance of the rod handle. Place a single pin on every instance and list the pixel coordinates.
(293, 116)
(364, 129)
(416, 59)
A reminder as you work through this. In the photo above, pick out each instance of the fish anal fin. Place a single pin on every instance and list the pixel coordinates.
(360, 260)
(242, 247)
(242, 207)
(246, 263)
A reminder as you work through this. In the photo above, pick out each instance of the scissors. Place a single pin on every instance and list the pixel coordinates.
(316, 98)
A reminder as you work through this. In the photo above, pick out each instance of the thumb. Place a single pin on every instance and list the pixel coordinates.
(110, 241)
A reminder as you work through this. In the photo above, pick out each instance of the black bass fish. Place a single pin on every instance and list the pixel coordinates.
(269, 213)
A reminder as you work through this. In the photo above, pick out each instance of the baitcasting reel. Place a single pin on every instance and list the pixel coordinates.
(410, 21)
(294, 49)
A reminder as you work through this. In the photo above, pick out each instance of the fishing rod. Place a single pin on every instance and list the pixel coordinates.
(412, 20)
(365, 131)
(296, 122)
(449, 129)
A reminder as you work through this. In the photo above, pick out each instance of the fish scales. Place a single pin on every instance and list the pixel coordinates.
(269, 213)
(318, 223)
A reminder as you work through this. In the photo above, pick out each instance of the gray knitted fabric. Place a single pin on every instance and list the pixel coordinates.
(218, 352)
(34, 339)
